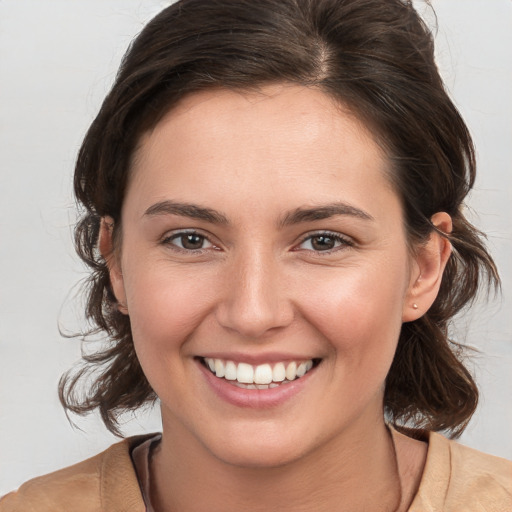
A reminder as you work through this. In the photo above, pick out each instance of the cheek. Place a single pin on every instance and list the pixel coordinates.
(361, 325)
(165, 307)
(359, 313)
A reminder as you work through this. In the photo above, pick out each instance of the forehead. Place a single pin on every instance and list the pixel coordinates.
(281, 137)
(304, 112)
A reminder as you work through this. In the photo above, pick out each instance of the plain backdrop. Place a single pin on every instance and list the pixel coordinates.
(57, 61)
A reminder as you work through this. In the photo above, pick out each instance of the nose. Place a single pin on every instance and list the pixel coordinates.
(255, 301)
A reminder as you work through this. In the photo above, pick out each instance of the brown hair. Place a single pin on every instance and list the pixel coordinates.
(374, 56)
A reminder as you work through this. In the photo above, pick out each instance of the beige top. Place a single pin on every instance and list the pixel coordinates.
(455, 479)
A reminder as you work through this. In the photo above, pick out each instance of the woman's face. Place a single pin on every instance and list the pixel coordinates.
(261, 237)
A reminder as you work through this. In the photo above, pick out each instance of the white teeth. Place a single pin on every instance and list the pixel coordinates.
(291, 370)
(262, 376)
(279, 372)
(301, 370)
(219, 368)
(245, 373)
(230, 371)
(258, 386)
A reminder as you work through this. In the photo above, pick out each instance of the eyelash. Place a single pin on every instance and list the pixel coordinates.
(168, 240)
(342, 242)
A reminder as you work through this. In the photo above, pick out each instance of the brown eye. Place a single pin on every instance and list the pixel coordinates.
(324, 242)
(189, 241)
(192, 241)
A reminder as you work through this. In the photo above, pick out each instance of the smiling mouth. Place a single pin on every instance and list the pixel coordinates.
(262, 376)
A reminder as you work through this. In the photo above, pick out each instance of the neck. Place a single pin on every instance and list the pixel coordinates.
(355, 471)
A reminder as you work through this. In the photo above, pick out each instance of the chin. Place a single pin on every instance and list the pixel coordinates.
(259, 454)
(260, 447)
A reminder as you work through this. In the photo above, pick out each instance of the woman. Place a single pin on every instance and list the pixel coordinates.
(273, 195)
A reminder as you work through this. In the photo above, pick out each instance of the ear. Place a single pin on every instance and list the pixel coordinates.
(429, 262)
(106, 248)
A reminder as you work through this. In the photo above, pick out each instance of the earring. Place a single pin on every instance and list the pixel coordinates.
(415, 306)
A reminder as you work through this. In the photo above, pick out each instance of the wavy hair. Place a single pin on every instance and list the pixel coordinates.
(374, 56)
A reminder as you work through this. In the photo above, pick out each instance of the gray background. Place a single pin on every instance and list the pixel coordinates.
(57, 61)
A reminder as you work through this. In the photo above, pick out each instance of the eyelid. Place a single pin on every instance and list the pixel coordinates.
(344, 239)
(169, 236)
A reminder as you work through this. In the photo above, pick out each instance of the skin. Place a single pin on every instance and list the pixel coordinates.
(260, 288)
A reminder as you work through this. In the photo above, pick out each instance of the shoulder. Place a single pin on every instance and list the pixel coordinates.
(106, 481)
(457, 478)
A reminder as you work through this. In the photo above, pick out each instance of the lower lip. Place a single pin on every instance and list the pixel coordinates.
(254, 398)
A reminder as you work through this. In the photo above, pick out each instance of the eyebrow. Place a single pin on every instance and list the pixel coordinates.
(191, 211)
(296, 216)
(323, 212)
